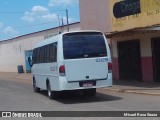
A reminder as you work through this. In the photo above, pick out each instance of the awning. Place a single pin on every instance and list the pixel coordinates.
(152, 29)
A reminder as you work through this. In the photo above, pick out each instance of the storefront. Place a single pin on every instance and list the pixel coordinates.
(135, 40)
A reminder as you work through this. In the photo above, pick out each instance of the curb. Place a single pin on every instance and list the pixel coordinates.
(131, 91)
(22, 78)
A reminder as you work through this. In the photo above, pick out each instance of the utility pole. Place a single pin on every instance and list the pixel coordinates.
(62, 25)
(59, 24)
(67, 20)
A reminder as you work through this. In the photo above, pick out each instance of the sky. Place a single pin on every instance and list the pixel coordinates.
(20, 17)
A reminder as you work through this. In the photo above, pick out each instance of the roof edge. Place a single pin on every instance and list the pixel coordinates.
(35, 32)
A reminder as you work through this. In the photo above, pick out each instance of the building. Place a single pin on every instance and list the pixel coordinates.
(14, 52)
(134, 33)
(94, 15)
(135, 55)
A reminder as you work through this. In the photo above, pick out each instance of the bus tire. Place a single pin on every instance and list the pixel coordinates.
(35, 88)
(51, 94)
(89, 92)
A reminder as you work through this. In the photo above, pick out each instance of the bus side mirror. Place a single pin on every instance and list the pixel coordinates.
(30, 61)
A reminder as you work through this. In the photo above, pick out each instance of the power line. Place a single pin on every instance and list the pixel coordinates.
(33, 25)
(20, 12)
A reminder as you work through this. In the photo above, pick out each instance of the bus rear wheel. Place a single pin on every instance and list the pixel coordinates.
(51, 94)
(35, 88)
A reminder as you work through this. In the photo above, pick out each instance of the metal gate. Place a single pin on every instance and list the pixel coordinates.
(129, 59)
(156, 58)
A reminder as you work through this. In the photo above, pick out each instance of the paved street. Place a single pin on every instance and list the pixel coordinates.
(17, 95)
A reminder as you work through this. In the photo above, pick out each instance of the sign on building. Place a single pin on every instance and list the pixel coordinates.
(50, 35)
(129, 14)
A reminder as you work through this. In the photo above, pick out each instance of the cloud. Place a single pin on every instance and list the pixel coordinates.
(49, 17)
(42, 14)
(7, 31)
(28, 17)
(10, 30)
(1, 25)
(39, 9)
(39, 13)
(62, 2)
(35, 13)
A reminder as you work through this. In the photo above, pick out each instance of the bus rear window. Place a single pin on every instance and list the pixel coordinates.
(85, 45)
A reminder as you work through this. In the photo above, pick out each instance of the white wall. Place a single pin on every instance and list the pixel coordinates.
(12, 52)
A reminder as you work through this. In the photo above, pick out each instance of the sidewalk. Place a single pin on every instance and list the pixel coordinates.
(12, 75)
(146, 88)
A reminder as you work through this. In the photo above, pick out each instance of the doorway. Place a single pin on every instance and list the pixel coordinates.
(129, 59)
(156, 58)
(28, 54)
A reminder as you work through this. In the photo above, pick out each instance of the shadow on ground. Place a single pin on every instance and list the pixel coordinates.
(77, 98)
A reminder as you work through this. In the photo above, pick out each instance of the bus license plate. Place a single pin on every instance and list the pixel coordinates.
(87, 84)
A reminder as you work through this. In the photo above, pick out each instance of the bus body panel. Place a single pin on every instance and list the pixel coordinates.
(86, 69)
(43, 72)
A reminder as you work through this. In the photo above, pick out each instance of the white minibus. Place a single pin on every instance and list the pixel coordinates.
(72, 61)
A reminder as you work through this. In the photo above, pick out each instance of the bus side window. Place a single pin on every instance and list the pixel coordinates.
(50, 52)
(33, 57)
(38, 55)
(43, 54)
(55, 52)
(47, 54)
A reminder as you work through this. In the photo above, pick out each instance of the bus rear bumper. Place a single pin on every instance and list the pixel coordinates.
(65, 85)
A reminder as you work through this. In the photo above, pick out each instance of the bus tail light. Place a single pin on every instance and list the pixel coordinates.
(62, 70)
(109, 67)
